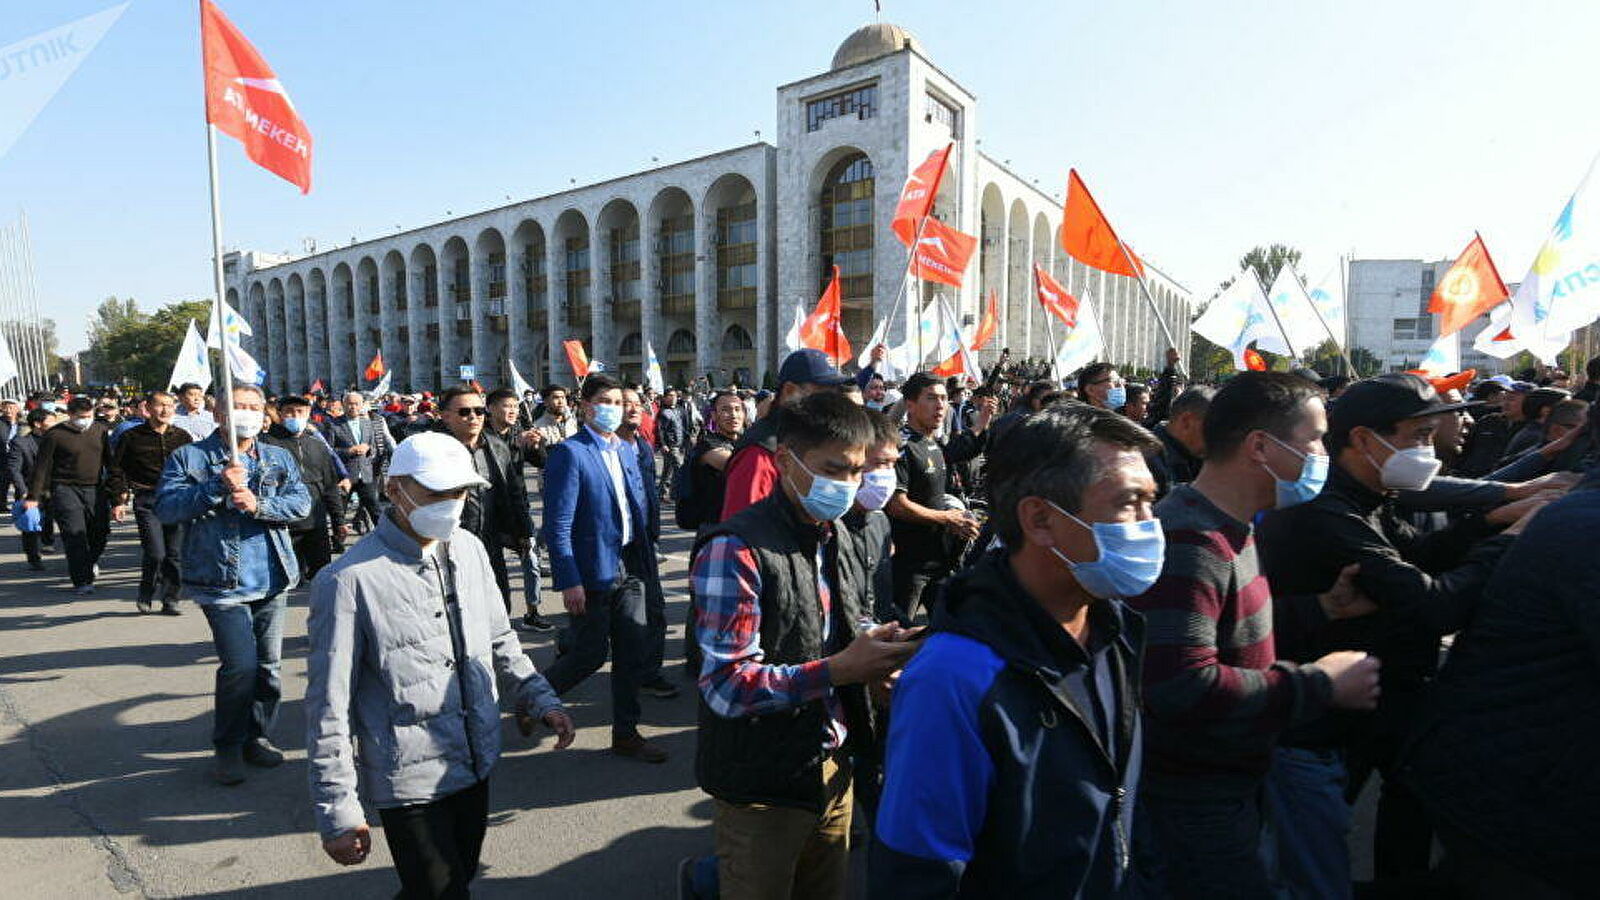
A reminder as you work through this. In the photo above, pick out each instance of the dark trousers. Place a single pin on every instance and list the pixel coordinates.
(916, 582)
(1203, 849)
(313, 549)
(81, 513)
(655, 617)
(249, 640)
(436, 845)
(502, 575)
(366, 500)
(34, 541)
(158, 575)
(670, 462)
(613, 624)
(1402, 839)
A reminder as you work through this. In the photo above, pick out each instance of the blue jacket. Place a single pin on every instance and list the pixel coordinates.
(1013, 757)
(191, 494)
(582, 527)
(647, 475)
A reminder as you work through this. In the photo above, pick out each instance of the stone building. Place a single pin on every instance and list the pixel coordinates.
(1388, 314)
(706, 259)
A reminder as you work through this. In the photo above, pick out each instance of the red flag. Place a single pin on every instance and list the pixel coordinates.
(1254, 361)
(375, 368)
(1054, 298)
(1471, 288)
(577, 357)
(960, 361)
(1087, 235)
(823, 330)
(317, 387)
(990, 323)
(916, 198)
(942, 253)
(246, 101)
(476, 386)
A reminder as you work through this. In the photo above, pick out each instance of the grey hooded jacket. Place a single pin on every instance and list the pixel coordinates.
(389, 667)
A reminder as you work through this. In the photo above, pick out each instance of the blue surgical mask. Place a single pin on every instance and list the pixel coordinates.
(294, 425)
(607, 417)
(876, 488)
(828, 499)
(1313, 475)
(1116, 397)
(1130, 556)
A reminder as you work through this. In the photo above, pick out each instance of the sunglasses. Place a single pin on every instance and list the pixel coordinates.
(466, 412)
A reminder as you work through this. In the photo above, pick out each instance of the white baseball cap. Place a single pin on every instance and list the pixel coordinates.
(437, 461)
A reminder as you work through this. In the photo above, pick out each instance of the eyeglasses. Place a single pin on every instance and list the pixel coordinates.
(466, 412)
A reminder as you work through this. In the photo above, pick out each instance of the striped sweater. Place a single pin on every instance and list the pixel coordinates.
(1215, 695)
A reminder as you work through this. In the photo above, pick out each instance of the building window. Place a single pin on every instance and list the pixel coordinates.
(430, 285)
(400, 292)
(625, 262)
(861, 102)
(681, 342)
(847, 195)
(942, 113)
(675, 247)
(372, 294)
(1426, 289)
(632, 345)
(736, 340)
(736, 256)
(497, 275)
(534, 282)
(1420, 329)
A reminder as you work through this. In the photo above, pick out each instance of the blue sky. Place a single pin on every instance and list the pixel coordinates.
(1393, 129)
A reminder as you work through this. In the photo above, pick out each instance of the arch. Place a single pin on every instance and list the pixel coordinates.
(734, 209)
(846, 238)
(735, 339)
(619, 288)
(485, 340)
(672, 242)
(293, 332)
(681, 343)
(632, 345)
(423, 271)
(255, 310)
(1019, 280)
(530, 293)
(571, 271)
(394, 321)
(992, 268)
(455, 306)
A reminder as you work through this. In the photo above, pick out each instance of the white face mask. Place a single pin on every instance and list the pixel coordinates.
(246, 422)
(434, 521)
(1411, 469)
(83, 421)
(876, 488)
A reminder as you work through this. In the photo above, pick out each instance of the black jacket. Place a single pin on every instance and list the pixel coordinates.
(317, 471)
(69, 455)
(1425, 585)
(20, 457)
(1507, 752)
(1173, 463)
(505, 499)
(1486, 444)
(1007, 774)
(138, 457)
(777, 758)
(363, 467)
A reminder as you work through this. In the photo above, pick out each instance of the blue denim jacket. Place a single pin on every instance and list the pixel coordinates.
(191, 494)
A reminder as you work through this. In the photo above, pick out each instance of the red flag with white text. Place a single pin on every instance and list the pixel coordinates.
(824, 329)
(1054, 298)
(942, 253)
(245, 100)
(916, 198)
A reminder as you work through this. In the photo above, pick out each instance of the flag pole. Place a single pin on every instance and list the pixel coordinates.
(1325, 326)
(911, 259)
(220, 285)
(1138, 272)
(1274, 310)
(1049, 331)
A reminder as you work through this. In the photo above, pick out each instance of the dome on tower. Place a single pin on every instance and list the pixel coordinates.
(872, 41)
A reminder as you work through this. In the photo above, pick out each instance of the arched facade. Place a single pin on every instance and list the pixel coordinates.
(846, 239)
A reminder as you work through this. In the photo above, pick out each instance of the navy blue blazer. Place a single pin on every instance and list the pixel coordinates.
(582, 527)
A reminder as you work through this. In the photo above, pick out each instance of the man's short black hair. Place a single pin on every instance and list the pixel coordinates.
(916, 384)
(549, 389)
(295, 401)
(598, 384)
(152, 396)
(459, 390)
(1333, 384)
(1050, 454)
(1137, 389)
(1488, 390)
(80, 404)
(498, 394)
(1255, 401)
(1195, 399)
(884, 431)
(1540, 399)
(1094, 372)
(37, 415)
(188, 386)
(826, 417)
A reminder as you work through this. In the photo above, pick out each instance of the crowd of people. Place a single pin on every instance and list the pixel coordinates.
(1049, 638)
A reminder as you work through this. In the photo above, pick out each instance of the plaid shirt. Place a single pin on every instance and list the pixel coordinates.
(733, 679)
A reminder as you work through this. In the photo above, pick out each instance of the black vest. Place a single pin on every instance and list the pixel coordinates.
(777, 758)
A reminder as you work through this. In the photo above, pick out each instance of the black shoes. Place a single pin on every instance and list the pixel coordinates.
(147, 605)
(260, 752)
(659, 688)
(534, 622)
(229, 766)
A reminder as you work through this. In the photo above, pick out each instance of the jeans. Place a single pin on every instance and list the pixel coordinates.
(158, 575)
(249, 639)
(1202, 849)
(1305, 801)
(531, 581)
(613, 624)
(436, 845)
(81, 513)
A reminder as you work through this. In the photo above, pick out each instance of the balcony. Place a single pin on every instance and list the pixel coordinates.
(499, 324)
(460, 293)
(677, 305)
(497, 289)
(463, 327)
(538, 319)
(463, 312)
(577, 315)
(625, 311)
(736, 298)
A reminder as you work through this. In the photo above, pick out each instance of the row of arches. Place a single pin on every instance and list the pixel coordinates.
(671, 270)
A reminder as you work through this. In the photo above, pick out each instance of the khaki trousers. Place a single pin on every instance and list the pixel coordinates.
(767, 852)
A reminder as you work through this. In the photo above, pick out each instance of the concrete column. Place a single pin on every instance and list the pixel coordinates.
(447, 372)
(707, 317)
(478, 343)
(518, 341)
(766, 285)
(649, 290)
(602, 298)
(556, 327)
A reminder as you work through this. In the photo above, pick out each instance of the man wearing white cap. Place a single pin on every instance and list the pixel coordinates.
(408, 633)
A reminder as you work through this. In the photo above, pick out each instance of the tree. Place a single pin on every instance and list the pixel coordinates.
(130, 346)
(1267, 261)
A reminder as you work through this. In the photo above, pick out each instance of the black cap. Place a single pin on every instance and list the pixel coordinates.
(1381, 401)
(810, 366)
